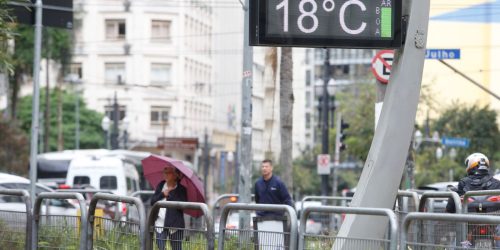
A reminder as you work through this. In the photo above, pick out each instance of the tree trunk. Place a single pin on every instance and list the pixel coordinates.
(271, 62)
(286, 114)
(18, 79)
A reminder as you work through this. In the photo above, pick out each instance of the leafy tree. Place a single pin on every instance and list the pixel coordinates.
(5, 34)
(91, 134)
(14, 151)
(473, 122)
(59, 50)
(357, 106)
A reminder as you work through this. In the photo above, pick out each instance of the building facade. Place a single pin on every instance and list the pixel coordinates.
(156, 58)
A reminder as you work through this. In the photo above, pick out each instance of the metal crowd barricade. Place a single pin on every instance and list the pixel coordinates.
(309, 241)
(439, 232)
(140, 194)
(330, 198)
(59, 231)
(216, 206)
(243, 238)
(404, 207)
(325, 222)
(116, 233)
(15, 226)
(453, 219)
(198, 238)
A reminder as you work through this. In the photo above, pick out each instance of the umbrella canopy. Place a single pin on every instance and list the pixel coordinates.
(153, 166)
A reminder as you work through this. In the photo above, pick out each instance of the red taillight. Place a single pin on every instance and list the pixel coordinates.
(64, 186)
(124, 208)
(494, 198)
(483, 231)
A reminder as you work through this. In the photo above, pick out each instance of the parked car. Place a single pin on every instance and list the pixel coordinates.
(15, 203)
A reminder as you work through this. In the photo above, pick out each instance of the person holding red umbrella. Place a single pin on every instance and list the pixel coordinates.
(170, 222)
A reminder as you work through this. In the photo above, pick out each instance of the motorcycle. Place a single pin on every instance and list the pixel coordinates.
(483, 235)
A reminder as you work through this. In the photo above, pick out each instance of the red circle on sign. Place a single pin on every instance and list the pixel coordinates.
(382, 65)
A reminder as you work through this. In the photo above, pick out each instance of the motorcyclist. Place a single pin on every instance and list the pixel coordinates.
(478, 178)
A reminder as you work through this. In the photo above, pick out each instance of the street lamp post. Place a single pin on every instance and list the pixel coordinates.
(325, 91)
(124, 128)
(105, 124)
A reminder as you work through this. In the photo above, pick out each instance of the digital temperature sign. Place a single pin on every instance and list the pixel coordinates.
(326, 23)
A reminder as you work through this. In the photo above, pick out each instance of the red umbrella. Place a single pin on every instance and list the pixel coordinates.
(152, 167)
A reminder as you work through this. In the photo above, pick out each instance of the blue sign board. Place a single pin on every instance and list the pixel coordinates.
(455, 142)
(442, 54)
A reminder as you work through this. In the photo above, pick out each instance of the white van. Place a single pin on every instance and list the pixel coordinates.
(111, 173)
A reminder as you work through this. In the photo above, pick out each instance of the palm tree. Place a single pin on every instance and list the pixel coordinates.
(286, 113)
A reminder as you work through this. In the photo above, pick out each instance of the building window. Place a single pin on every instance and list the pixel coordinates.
(78, 27)
(160, 73)
(308, 120)
(308, 78)
(76, 69)
(115, 29)
(114, 73)
(160, 31)
(308, 99)
(110, 113)
(159, 115)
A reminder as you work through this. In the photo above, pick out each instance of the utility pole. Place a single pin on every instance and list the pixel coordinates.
(35, 105)
(116, 118)
(325, 126)
(245, 165)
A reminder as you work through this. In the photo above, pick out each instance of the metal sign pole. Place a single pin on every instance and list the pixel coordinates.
(387, 156)
(35, 101)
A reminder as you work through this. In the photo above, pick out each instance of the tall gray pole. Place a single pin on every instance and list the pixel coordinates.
(36, 101)
(36, 98)
(245, 165)
(77, 118)
(116, 118)
(325, 124)
(385, 163)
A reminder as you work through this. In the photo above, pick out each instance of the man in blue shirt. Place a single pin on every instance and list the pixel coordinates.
(269, 189)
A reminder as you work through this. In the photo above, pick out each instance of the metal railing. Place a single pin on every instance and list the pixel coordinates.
(24, 195)
(55, 195)
(117, 198)
(216, 206)
(321, 198)
(153, 215)
(410, 194)
(393, 226)
(444, 194)
(449, 218)
(291, 236)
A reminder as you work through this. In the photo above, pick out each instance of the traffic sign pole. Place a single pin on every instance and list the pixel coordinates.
(385, 163)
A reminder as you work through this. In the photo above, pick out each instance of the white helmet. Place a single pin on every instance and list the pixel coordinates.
(476, 160)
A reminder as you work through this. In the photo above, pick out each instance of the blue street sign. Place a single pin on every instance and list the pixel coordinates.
(455, 142)
(442, 54)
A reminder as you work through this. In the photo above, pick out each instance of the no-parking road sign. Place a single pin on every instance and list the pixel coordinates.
(323, 164)
(382, 65)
